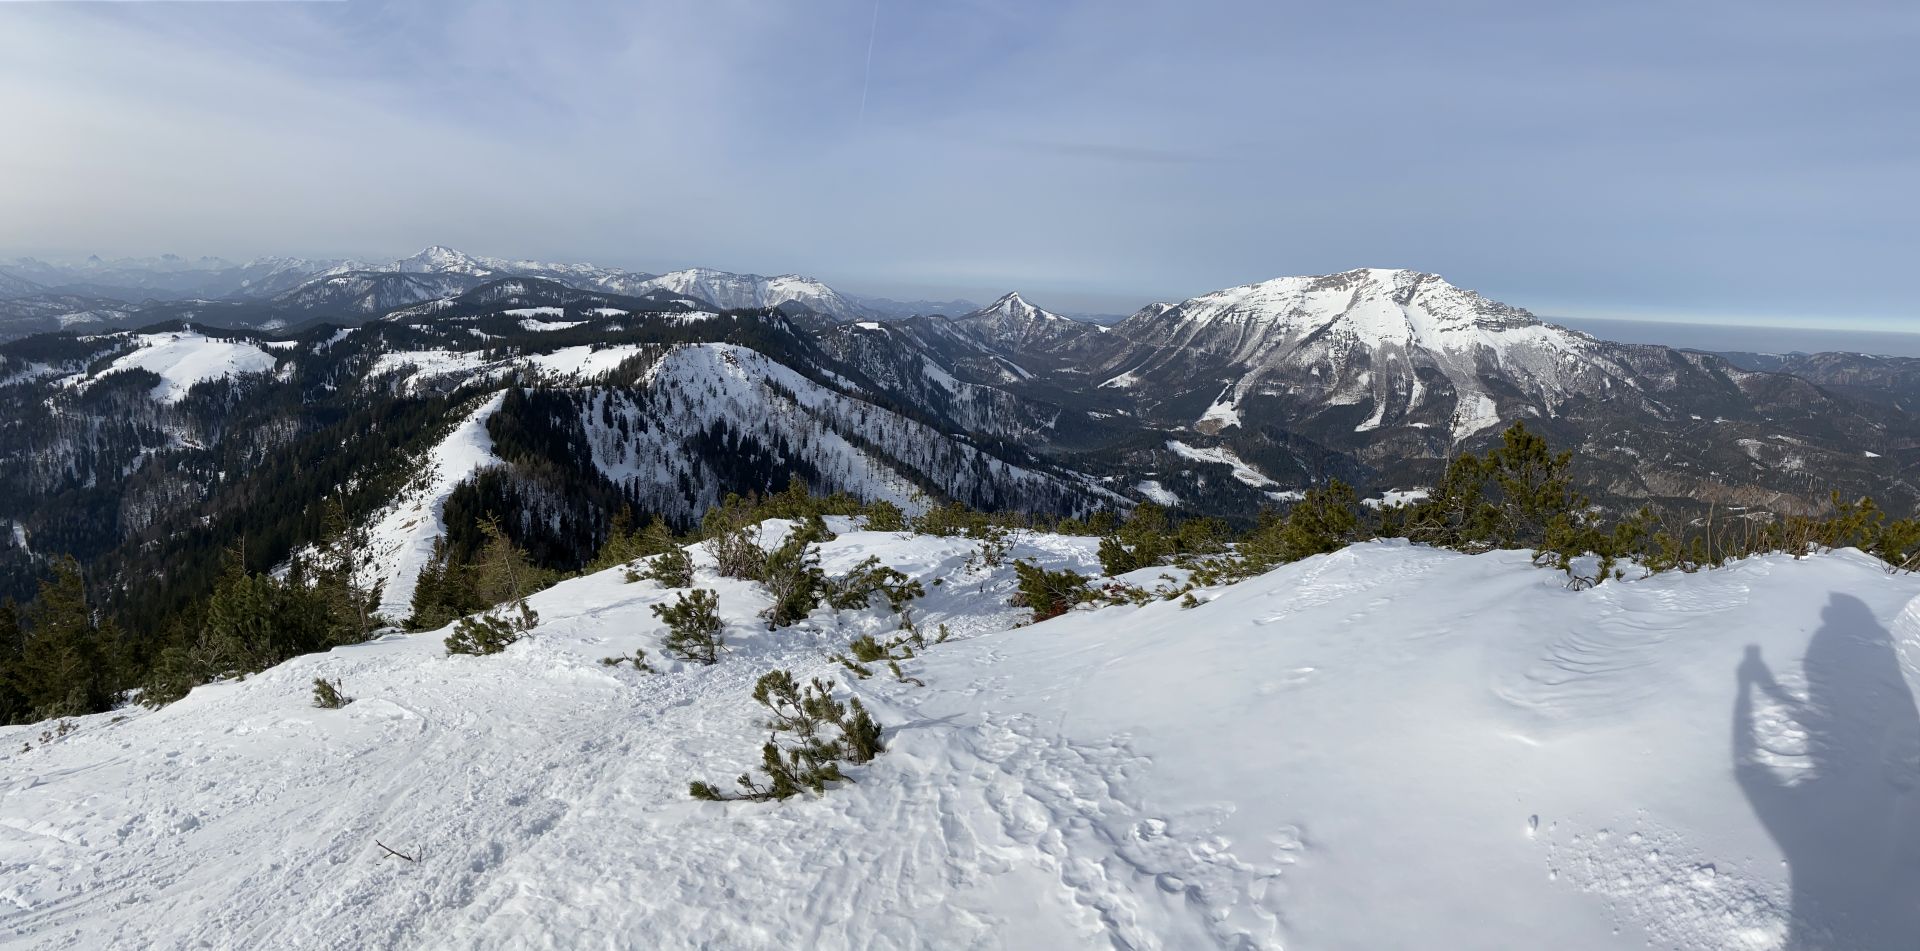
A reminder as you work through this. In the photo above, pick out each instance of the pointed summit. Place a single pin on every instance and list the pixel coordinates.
(1013, 322)
(1011, 306)
(439, 259)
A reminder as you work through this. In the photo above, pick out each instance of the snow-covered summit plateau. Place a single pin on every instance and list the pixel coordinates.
(1386, 747)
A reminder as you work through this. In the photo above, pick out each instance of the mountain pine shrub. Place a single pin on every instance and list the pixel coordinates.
(672, 568)
(854, 590)
(791, 574)
(867, 649)
(693, 626)
(733, 538)
(638, 660)
(949, 520)
(1328, 519)
(995, 542)
(1049, 594)
(327, 695)
(491, 632)
(881, 515)
(860, 734)
(626, 544)
(812, 734)
(1142, 540)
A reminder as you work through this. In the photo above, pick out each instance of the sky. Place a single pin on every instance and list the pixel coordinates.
(1750, 162)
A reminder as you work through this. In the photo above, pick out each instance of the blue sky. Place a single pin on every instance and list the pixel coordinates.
(1750, 162)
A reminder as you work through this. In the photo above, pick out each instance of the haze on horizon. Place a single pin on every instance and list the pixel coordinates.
(1749, 162)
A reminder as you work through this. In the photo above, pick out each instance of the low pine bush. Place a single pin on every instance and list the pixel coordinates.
(327, 695)
(1049, 594)
(881, 515)
(491, 633)
(812, 734)
(854, 590)
(693, 626)
(672, 568)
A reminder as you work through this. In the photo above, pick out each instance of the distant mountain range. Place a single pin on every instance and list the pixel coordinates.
(120, 446)
(37, 296)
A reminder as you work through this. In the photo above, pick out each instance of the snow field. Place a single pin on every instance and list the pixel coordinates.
(1389, 746)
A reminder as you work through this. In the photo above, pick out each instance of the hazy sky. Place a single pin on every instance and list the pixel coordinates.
(1755, 161)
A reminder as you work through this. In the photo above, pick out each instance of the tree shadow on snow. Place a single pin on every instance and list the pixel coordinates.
(1835, 779)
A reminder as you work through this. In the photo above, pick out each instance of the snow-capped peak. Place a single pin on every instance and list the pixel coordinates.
(1374, 336)
(728, 290)
(439, 259)
(1011, 306)
(1373, 307)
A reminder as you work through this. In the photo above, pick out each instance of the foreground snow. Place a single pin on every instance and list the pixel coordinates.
(1387, 747)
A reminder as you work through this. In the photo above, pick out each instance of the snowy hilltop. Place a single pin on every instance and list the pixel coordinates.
(1386, 746)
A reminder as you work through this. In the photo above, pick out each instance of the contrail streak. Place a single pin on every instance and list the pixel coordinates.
(867, 80)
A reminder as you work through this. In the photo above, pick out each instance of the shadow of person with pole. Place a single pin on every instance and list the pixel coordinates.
(1835, 779)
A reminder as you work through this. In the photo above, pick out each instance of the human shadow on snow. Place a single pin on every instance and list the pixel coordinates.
(1835, 779)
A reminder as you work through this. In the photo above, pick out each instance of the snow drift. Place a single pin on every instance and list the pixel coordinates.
(1385, 747)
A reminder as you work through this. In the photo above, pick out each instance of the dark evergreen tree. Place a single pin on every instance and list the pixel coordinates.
(14, 705)
(66, 664)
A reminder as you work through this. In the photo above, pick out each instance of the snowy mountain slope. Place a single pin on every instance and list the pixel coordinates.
(723, 289)
(1011, 323)
(895, 357)
(42, 313)
(15, 286)
(182, 359)
(171, 277)
(890, 309)
(372, 292)
(1397, 368)
(1409, 347)
(400, 539)
(642, 437)
(1508, 764)
(532, 296)
(443, 260)
(730, 291)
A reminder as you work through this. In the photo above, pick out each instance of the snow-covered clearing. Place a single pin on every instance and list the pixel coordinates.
(1222, 456)
(422, 366)
(583, 362)
(1386, 747)
(1223, 413)
(1393, 497)
(1157, 493)
(183, 358)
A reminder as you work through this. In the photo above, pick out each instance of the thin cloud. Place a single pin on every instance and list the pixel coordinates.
(1725, 156)
(1124, 154)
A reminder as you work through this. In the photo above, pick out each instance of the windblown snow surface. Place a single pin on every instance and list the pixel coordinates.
(1386, 747)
